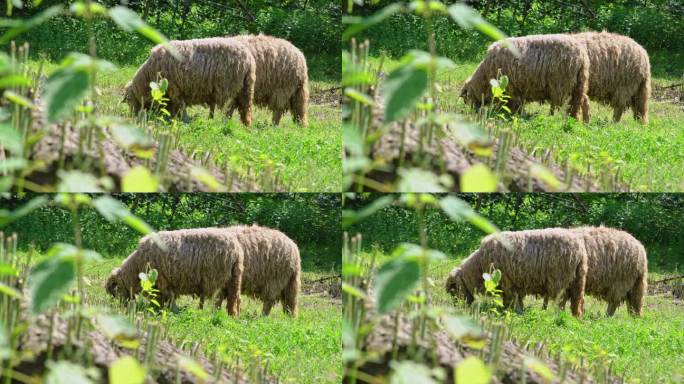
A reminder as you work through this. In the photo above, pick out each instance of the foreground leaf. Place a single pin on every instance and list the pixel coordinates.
(64, 89)
(49, 281)
(403, 88)
(395, 280)
(472, 371)
(126, 370)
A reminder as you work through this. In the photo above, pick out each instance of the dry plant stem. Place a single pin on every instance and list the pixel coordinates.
(79, 267)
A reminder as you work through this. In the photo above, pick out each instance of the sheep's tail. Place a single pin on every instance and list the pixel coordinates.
(299, 102)
(640, 100)
(635, 296)
(579, 97)
(290, 294)
(576, 290)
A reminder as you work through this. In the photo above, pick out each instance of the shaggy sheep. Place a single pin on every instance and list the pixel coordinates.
(281, 77)
(199, 262)
(620, 73)
(617, 268)
(543, 262)
(271, 267)
(550, 68)
(213, 71)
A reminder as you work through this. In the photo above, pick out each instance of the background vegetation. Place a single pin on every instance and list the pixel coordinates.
(637, 349)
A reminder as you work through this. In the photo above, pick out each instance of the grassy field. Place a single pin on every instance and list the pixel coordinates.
(645, 350)
(304, 159)
(305, 349)
(647, 157)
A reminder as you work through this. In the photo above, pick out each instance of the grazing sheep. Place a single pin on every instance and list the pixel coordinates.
(620, 73)
(271, 267)
(281, 77)
(213, 71)
(550, 68)
(199, 262)
(617, 268)
(543, 262)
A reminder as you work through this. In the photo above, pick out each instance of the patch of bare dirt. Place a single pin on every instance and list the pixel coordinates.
(330, 286)
(673, 93)
(328, 96)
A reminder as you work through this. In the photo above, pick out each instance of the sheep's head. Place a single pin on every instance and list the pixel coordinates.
(134, 100)
(473, 96)
(456, 287)
(116, 287)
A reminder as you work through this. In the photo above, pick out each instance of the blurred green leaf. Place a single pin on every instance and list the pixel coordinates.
(409, 372)
(350, 217)
(139, 179)
(459, 210)
(129, 21)
(49, 280)
(18, 99)
(126, 370)
(24, 26)
(130, 137)
(65, 372)
(540, 368)
(77, 181)
(472, 371)
(7, 216)
(395, 280)
(191, 366)
(9, 291)
(113, 210)
(118, 329)
(64, 89)
(478, 178)
(542, 174)
(12, 164)
(402, 89)
(420, 180)
(207, 179)
(358, 24)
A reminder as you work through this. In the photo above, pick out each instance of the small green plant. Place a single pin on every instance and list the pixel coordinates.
(148, 291)
(493, 295)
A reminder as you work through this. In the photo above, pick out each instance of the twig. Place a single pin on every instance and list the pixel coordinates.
(325, 278)
(671, 86)
(668, 279)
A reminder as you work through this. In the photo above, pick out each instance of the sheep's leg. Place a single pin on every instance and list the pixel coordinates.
(298, 105)
(268, 305)
(211, 110)
(546, 303)
(612, 306)
(617, 113)
(586, 110)
(201, 302)
(277, 115)
(519, 307)
(233, 291)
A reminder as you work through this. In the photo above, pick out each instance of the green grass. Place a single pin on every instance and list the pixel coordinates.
(648, 157)
(646, 350)
(304, 159)
(305, 349)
